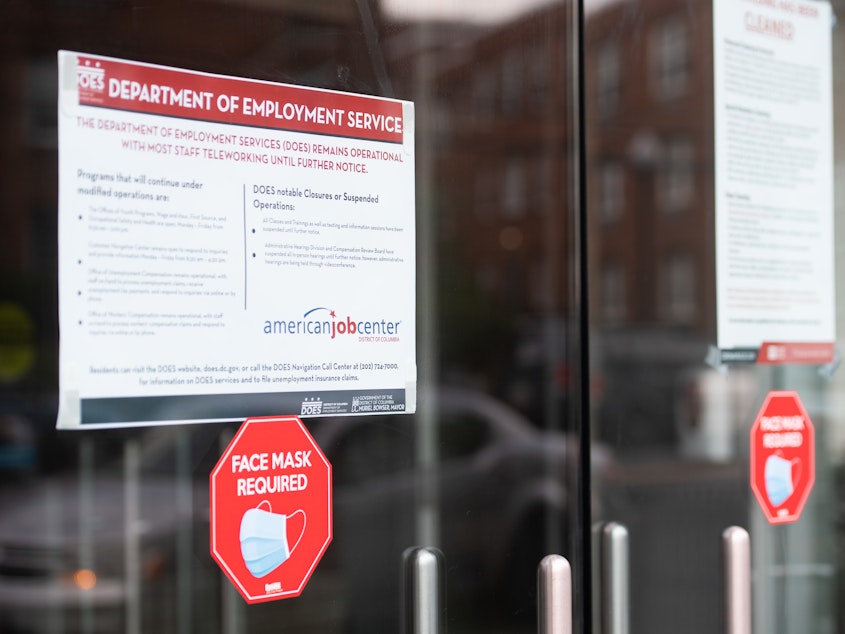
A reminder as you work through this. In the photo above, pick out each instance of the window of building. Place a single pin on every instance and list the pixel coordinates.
(484, 92)
(670, 59)
(540, 287)
(676, 176)
(607, 80)
(538, 78)
(40, 112)
(614, 306)
(511, 82)
(611, 195)
(486, 192)
(514, 188)
(677, 286)
(541, 191)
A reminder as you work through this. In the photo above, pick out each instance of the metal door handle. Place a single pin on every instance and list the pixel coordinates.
(736, 559)
(424, 606)
(612, 589)
(554, 590)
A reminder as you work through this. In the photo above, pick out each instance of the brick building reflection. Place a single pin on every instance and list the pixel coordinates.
(648, 98)
(506, 190)
(649, 95)
(649, 127)
(504, 204)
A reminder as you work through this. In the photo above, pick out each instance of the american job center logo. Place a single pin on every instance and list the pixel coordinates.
(324, 322)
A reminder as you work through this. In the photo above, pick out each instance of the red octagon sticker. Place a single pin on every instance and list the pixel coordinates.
(783, 457)
(271, 508)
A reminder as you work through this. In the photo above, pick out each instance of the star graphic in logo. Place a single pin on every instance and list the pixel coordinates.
(332, 314)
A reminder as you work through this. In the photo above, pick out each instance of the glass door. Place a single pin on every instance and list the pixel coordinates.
(108, 530)
(697, 114)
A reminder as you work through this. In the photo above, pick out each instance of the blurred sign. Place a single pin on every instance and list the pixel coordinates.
(271, 508)
(783, 457)
(773, 157)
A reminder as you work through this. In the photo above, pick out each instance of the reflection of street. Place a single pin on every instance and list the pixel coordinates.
(62, 551)
(675, 512)
(137, 521)
(500, 481)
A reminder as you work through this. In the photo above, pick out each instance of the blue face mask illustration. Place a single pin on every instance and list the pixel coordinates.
(264, 539)
(779, 481)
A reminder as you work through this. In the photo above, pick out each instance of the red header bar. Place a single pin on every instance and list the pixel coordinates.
(159, 90)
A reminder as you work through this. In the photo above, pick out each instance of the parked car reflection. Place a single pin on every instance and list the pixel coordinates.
(500, 486)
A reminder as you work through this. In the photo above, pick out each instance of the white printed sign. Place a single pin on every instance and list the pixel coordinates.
(230, 248)
(774, 180)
